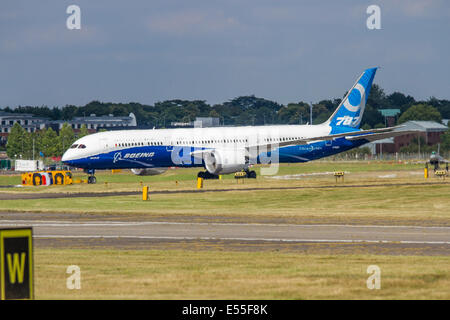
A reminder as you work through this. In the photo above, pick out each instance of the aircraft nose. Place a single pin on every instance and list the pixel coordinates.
(66, 157)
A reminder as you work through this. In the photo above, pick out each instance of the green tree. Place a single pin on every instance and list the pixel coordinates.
(372, 116)
(445, 141)
(18, 144)
(377, 97)
(66, 138)
(294, 113)
(414, 147)
(83, 131)
(398, 100)
(420, 112)
(49, 143)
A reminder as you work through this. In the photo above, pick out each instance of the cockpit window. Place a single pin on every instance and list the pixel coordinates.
(73, 146)
(81, 146)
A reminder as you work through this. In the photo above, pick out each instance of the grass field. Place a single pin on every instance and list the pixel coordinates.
(173, 274)
(220, 272)
(422, 202)
(406, 203)
(186, 178)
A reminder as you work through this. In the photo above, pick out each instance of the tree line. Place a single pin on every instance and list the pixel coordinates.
(250, 110)
(244, 110)
(41, 144)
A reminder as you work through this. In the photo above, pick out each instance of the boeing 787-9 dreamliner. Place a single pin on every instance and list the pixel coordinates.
(224, 150)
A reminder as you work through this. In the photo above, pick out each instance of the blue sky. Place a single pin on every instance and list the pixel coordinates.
(286, 51)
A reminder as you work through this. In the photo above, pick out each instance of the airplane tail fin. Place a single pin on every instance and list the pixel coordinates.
(349, 113)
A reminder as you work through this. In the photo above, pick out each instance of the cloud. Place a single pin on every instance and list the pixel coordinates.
(51, 37)
(192, 22)
(418, 8)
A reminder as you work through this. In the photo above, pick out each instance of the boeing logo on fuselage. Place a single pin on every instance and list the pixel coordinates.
(118, 156)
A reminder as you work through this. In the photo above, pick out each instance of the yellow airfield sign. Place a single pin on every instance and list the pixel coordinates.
(16, 263)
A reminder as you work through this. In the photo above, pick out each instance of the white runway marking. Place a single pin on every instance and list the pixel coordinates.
(143, 223)
(235, 231)
(243, 239)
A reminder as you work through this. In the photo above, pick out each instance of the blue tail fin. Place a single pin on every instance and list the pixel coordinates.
(349, 113)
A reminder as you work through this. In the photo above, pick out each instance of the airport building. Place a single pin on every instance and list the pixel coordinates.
(430, 131)
(32, 123)
(94, 123)
(390, 116)
(28, 121)
(199, 122)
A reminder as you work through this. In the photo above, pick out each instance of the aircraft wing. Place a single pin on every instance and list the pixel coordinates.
(352, 135)
(380, 135)
(370, 135)
(199, 154)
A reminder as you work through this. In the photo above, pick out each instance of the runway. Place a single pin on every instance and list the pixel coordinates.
(235, 231)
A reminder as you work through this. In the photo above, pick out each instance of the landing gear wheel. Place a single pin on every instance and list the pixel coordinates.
(201, 174)
(92, 180)
(251, 174)
(207, 175)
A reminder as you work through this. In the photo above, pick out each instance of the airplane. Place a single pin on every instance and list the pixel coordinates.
(436, 160)
(225, 150)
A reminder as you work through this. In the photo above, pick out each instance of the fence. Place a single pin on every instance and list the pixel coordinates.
(385, 156)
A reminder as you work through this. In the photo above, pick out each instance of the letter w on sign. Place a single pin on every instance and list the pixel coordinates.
(16, 267)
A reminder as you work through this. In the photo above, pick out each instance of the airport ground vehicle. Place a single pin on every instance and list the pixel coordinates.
(47, 177)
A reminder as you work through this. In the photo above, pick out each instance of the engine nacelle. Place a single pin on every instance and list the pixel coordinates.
(224, 161)
(148, 171)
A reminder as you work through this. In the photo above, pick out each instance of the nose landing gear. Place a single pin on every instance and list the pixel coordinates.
(91, 179)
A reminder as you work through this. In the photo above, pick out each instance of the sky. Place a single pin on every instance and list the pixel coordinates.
(286, 51)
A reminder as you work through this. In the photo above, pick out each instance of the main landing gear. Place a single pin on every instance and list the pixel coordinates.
(249, 174)
(91, 179)
(206, 175)
(238, 175)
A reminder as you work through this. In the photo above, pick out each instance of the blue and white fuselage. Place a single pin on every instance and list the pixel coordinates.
(155, 148)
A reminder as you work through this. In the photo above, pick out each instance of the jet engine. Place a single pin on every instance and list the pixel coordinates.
(148, 171)
(225, 161)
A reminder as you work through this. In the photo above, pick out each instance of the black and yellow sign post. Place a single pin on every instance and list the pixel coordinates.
(16, 263)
